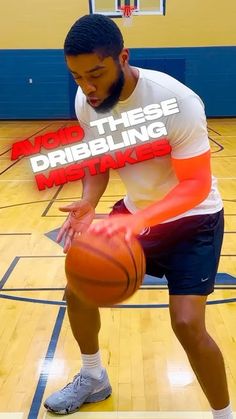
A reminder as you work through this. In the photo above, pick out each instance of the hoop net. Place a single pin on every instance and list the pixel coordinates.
(127, 12)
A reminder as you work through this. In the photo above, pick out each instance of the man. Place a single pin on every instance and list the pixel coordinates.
(172, 205)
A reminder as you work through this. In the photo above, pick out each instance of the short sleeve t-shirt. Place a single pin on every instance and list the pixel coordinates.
(186, 130)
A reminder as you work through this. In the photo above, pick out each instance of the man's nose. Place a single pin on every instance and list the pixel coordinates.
(88, 88)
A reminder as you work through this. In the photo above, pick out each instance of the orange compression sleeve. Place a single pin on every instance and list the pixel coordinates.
(194, 175)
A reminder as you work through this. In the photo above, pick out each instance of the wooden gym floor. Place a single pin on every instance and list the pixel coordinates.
(148, 369)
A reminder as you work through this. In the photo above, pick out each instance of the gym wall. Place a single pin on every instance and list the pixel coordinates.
(194, 42)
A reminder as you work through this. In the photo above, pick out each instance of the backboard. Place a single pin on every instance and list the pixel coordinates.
(113, 8)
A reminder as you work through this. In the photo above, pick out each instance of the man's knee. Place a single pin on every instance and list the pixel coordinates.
(189, 331)
(69, 294)
(75, 303)
(72, 299)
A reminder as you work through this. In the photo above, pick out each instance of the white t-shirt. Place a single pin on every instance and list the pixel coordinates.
(150, 180)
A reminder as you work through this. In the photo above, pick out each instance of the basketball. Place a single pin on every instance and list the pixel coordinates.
(104, 271)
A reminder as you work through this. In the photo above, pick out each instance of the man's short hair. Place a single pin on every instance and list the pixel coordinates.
(94, 34)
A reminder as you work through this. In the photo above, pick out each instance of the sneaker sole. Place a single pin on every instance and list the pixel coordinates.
(99, 396)
(96, 397)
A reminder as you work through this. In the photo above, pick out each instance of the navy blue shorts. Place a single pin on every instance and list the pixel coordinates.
(186, 251)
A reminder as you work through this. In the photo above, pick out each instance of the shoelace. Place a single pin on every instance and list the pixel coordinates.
(77, 381)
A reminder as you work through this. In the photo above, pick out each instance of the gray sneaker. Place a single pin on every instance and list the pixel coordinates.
(83, 389)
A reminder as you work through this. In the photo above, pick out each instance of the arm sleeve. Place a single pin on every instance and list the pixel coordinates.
(187, 130)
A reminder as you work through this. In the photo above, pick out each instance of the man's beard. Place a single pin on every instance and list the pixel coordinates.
(114, 94)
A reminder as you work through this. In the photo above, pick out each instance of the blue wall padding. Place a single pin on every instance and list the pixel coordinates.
(209, 71)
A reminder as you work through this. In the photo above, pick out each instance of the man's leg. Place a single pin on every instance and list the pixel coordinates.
(85, 323)
(92, 383)
(188, 322)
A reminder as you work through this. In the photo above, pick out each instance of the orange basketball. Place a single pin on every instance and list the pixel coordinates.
(104, 271)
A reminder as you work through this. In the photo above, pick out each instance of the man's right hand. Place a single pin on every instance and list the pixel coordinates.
(81, 215)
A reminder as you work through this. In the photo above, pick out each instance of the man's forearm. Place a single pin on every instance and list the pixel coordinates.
(94, 187)
(185, 196)
(194, 175)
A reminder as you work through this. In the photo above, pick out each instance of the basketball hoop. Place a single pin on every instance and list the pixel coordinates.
(127, 12)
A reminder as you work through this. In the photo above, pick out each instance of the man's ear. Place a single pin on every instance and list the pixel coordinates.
(124, 57)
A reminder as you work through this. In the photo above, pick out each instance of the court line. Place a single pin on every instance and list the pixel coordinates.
(32, 300)
(45, 370)
(54, 200)
(217, 157)
(27, 138)
(11, 165)
(114, 197)
(149, 280)
(31, 202)
(23, 156)
(14, 263)
(110, 415)
(211, 129)
(63, 304)
(226, 255)
(218, 144)
(228, 136)
(52, 302)
(14, 415)
(15, 234)
(142, 415)
(9, 271)
(37, 399)
(69, 199)
(51, 202)
(142, 288)
(97, 216)
(4, 152)
(33, 289)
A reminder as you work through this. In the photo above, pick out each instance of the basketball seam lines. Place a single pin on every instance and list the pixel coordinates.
(94, 280)
(106, 256)
(134, 263)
